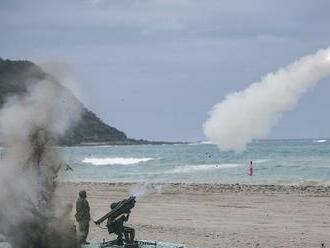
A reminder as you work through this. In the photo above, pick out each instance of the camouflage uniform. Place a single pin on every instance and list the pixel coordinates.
(83, 216)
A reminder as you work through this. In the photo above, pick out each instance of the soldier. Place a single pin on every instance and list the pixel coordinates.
(117, 226)
(83, 216)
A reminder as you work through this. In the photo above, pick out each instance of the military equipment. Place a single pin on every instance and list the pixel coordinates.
(121, 207)
(115, 223)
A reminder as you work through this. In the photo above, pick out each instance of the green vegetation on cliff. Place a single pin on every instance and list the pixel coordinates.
(14, 78)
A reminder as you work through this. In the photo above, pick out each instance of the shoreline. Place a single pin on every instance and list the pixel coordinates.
(215, 188)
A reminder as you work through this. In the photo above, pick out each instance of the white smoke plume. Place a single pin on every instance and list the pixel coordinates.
(30, 126)
(251, 113)
(144, 189)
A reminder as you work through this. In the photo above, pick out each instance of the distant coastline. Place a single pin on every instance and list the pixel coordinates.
(17, 75)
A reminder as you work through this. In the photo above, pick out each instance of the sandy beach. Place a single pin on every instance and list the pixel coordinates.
(210, 216)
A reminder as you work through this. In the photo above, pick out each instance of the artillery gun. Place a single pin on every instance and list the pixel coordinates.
(119, 214)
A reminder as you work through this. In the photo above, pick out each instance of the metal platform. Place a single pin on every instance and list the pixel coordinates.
(140, 244)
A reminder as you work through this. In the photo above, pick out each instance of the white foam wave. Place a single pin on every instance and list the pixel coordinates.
(260, 161)
(201, 143)
(115, 161)
(320, 141)
(194, 144)
(203, 167)
(206, 143)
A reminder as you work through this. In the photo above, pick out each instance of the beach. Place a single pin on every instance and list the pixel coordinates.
(216, 215)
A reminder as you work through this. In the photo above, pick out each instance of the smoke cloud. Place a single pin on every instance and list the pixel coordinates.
(251, 113)
(141, 190)
(30, 126)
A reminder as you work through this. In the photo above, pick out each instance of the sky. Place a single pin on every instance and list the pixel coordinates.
(154, 68)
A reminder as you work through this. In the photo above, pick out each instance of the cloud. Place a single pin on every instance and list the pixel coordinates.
(188, 15)
(163, 49)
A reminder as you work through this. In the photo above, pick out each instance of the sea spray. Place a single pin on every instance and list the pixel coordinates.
(251, 113)
(30, 125)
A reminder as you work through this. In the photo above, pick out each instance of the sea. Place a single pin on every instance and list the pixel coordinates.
(289, 162)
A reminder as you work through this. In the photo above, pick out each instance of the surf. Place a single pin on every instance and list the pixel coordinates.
(203, 167)
(115, 161)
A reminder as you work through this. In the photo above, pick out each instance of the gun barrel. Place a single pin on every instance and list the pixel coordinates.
(122, 207)
(103, 218)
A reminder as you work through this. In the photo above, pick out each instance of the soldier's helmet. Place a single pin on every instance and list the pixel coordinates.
(83, 194)
(113, 205)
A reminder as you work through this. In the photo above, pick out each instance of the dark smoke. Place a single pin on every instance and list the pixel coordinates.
(30, 126)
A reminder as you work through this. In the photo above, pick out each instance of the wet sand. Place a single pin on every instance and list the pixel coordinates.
(213, 216)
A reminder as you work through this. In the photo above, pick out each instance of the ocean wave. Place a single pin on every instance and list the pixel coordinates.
(201, 143)
(203, 167)
(301, 182)
(115, 161)
(261, 161)
(320, 141)
(310, 182)
(206, 142)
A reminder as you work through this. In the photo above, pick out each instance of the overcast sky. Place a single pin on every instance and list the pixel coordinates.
(154, 68)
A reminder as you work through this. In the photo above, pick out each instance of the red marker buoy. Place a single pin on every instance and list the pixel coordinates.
(251, 169)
